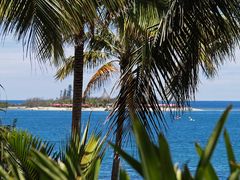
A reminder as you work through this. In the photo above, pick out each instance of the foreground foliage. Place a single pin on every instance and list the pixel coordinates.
(156, 162)
(24, 156)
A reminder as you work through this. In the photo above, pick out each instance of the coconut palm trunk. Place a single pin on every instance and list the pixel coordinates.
(77, 82)
(118, 142)
(120, 121)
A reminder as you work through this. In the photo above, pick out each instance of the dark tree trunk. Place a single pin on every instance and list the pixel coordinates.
(77, 83)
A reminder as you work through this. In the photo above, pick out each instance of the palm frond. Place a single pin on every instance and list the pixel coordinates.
(148, 13)
(105, 40)
(100, 77)
(37, 24)
(92, 59)
(17, 151)
(193, 35)
(66, 69)
(79, 13)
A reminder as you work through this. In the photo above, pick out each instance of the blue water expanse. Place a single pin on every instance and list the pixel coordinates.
(192, 127)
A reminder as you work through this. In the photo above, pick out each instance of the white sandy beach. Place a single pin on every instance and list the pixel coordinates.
(83, 109)
(53, 108)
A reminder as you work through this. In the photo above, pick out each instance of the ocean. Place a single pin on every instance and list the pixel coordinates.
(195, 126)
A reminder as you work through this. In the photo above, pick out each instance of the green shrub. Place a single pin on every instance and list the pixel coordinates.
(26, 157)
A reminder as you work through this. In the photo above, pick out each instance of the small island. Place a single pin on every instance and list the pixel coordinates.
(63, 103)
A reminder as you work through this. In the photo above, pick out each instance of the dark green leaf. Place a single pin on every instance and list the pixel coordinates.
(166, 168)
(130, 160)
(207, 153)
(123, 175)
(209, 172)
(230, 153)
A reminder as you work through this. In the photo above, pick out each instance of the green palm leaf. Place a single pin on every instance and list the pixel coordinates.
(37, 24)
(230, 153)
(92, 59)
(17, 147)
(207, 153)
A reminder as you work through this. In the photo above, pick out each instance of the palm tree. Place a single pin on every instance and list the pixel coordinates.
(43, 25)
(189, 36)
(121, 47)
(83, 14)
(146, 70)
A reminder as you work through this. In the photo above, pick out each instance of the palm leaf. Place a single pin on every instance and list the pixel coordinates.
(234, 175)
(37, 24)
(91, 59)
(66, 69)
(49, 168)
(130, 160)
(94, 59)
(124, 175)
(207, 153)
(230, 153)
(191, 36)
(210, 172)
(17, 153)
(100, 77)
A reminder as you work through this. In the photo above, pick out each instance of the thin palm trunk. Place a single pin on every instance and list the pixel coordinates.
(77, 82)
(118, 142)
(120, 122)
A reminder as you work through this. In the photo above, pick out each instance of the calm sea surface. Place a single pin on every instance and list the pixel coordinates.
(192, 127)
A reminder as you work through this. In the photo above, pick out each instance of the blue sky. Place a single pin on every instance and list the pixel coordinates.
(24, 79)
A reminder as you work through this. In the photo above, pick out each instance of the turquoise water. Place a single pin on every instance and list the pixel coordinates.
(192, 127)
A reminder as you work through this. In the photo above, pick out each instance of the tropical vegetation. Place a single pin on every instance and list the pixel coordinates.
(156, 161)
(24, 156)
(44, 26)
(162, 46)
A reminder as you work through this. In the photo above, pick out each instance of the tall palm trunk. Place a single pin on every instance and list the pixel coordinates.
(77, 82)
(120, 121)
(118, 142)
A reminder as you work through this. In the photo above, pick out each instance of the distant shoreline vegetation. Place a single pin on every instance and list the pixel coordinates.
(4, 104)
(40, 102)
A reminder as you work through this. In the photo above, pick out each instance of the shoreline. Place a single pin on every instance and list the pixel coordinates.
(53, 108)
(83, 109)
